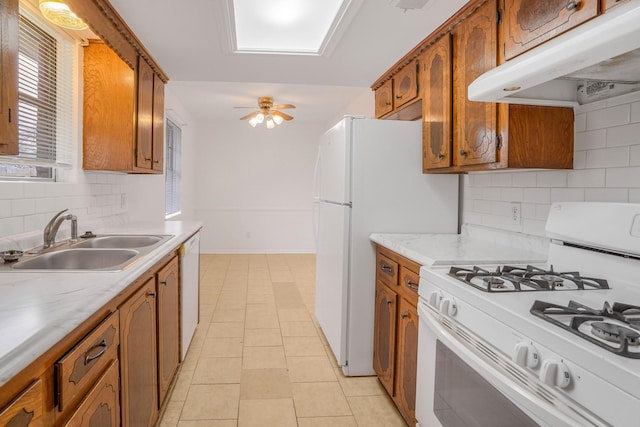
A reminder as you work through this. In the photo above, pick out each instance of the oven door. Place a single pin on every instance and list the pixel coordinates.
(462, 384)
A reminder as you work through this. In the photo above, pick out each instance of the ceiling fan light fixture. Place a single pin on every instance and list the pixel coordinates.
(254, 121)
(278, 119)
(57, 12)
(260, 118)
(270, 123)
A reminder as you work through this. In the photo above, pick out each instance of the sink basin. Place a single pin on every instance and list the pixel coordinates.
(79, 259)
(120, 242)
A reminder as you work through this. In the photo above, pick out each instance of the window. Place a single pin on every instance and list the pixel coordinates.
(45, 82)
(172, 169)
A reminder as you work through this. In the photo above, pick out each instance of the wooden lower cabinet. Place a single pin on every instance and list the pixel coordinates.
(26, 409)
(385, 336)
(395, 348)
(138, 364)
(407, 359)
(168, 326)
(101, 407)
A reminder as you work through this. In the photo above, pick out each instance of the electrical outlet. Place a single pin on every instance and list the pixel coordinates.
(515, 213)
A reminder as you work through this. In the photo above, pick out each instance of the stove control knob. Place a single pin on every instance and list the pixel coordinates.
(449, 307)
(555, 373)
(434, 298)
(526, 355)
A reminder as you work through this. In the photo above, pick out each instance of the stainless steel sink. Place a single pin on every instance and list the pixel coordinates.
(79, 259)
(120, 241)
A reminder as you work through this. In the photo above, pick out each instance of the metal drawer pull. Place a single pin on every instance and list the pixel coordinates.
(463, 153)
(404, 315)
(152, 293)
(411, 285)
(389, 301)
(440, 156)
(88, 359)
(572, 5)
(386, 268)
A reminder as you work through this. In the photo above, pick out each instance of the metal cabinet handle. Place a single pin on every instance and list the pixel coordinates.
(404, 315)
(88, 359)
(147, 159)
(572, 5)
(463, 153)
(164, 282)
(152, 293)
(386, 268)
(398, 96)
(412, 286)
(388, 301)
(440, 156)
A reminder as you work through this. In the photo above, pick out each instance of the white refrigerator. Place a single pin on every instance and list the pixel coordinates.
(368, 179)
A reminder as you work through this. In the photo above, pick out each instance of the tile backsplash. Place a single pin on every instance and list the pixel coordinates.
(28, 206)
(606, 168)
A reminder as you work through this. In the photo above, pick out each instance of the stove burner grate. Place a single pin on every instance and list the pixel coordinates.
(529, 278)
(599, 321)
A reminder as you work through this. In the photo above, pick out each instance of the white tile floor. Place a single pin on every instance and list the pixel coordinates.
(259, 359)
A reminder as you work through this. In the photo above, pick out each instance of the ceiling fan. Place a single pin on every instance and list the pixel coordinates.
(267, 112)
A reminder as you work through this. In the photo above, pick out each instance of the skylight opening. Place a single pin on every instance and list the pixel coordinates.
(302, 27)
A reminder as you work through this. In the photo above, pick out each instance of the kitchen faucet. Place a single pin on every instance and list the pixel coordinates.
(52, 227)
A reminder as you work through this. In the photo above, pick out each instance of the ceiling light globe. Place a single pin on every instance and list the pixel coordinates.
(60, 14)
(260, 118)
(270, 123)
(253, 122)
(278, 119)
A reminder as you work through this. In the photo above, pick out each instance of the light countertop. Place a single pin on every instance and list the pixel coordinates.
(475, 245)
(39, 309)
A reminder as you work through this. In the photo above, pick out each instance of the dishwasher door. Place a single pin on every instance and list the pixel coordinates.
(190, 290)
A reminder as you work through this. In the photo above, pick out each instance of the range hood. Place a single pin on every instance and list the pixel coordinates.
(597, 60)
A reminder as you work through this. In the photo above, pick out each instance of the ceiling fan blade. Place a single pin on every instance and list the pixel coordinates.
(248, 116)
(243, 107)
(283, 106)
(281, 114)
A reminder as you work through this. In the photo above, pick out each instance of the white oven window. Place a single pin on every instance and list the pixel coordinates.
(464, 399)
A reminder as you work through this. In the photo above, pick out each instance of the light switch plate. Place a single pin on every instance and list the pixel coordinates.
(516, 213)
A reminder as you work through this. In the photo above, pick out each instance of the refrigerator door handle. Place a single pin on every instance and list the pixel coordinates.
(316, 199)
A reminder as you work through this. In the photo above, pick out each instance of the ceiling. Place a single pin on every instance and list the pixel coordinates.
(190, 41)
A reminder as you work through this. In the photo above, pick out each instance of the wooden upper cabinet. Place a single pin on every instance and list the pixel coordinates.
(436, 82)
(9, 77)
(474, 53)
(384, 99)
(123, 113)
(168, 325)
(26, 409)
(405, 84)
(528, 23)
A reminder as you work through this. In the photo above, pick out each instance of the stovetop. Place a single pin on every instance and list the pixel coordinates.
(524, 278)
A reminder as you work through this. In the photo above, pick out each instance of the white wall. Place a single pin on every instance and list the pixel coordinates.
(606, 168)
(254, 187)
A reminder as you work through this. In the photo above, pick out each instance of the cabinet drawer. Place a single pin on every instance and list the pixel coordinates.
(386, 270)
(26, 409)
(80, 367)
(409, 284)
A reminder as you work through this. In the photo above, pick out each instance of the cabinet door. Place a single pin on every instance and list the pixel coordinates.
(436, 104)
(407, 360)
(9, 77)
(384, 98)
(168, 325)
(144, 142)
(405, 84)
(528, 23)
(384, 336)
(138, 365)
(474, 50)
(100, 408)
(158, 123)
(26, 410)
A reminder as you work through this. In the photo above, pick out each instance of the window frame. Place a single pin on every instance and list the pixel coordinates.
(173, 169)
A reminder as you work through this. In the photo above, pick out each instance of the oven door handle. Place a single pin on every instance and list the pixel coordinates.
(557, 415)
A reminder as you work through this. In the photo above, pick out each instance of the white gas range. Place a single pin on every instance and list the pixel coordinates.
(556, 344)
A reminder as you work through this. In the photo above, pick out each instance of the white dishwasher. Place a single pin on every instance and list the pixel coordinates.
(190, 287)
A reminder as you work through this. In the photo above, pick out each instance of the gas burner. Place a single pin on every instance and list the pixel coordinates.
(615, 328)
(529, 278)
